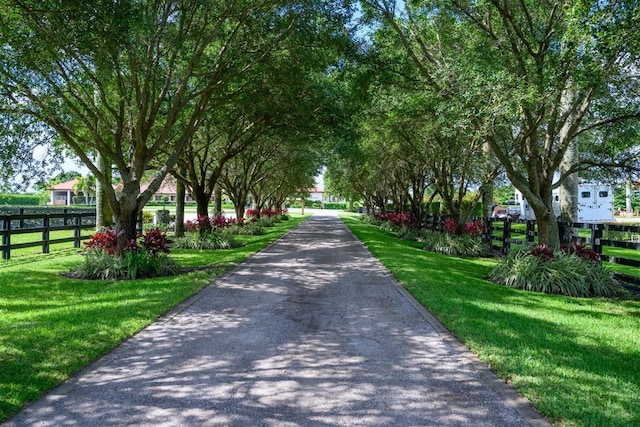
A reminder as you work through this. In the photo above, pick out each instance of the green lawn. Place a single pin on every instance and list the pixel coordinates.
(51, 326)
(576, 360)
(37, 238)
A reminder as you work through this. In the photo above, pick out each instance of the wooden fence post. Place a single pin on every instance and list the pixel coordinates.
(6, 237)
(531, 231)
(487, 235)
(140, 223)
(506, 236)
(21, 212)
(596, 238)
(45, 234)
(76, 230)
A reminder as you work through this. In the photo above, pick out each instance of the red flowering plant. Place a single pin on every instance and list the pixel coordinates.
(106, 240)
(473, 228)
(398, 219)
(542, 251)
(155, 242)
(142, 256)
(205, 224)
(581, 250)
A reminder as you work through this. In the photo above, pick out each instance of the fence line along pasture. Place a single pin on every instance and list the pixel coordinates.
(45, 223)
(500, 234)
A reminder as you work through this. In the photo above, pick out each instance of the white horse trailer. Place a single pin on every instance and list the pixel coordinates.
(595, 203)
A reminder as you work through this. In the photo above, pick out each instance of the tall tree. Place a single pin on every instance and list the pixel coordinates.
(541, 70)
(130, 79)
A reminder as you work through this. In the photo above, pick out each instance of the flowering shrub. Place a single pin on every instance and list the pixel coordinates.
(266, 212)
(155, 242)
(581, 250)
(205, 224)
(542, 251)
(565, 273)
(144, 258)
(106, 240)
(210, 233)
(400, 220)
(473, 228)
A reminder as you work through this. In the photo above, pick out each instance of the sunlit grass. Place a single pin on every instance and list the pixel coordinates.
(51, 326)
(577, 360)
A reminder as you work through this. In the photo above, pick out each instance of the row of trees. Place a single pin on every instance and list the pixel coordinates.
(442, 97)
(142, 89)
(461, 93)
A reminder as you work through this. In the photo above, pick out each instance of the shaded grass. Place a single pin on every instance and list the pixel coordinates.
(576, 360)
(51, 326)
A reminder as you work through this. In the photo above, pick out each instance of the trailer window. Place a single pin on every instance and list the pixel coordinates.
(603, 194)
(585, 194)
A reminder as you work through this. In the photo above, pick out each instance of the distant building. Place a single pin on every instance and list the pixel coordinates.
(316, 194)
(62, 194)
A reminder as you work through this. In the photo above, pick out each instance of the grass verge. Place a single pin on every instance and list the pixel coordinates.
(51, 326)
(576, 360)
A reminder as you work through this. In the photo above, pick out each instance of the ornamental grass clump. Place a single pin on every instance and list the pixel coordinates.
(462, 245)
(209, 233)
(143, 257)
(573, 271)
(462, 241)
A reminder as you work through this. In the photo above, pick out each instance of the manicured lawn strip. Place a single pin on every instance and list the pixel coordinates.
(51, 326)
(576, 360)
(37, 237)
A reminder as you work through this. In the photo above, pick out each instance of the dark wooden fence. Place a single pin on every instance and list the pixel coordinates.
(502, 233)
(45, 223)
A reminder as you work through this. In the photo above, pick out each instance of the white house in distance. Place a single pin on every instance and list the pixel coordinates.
(316, 194)
(63, 194)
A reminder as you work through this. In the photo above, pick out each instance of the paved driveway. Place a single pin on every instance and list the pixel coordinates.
(310, 332)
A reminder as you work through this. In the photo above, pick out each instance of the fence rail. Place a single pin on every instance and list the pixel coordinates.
(15, 224)
(509, 232)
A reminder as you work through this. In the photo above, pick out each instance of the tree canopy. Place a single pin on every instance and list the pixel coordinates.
(527, 78)
(131, 81)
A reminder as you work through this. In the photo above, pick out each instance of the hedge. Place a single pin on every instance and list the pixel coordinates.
(21, 199)
(335, 205)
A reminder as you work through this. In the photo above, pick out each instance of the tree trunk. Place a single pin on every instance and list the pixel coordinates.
(487, 199)
(202, 210)
(569, 187)
(217, 201)
(104, 215)
(487, 187)
(546, 218)
(548, 230)
(127, 215)
(627, 196)
(568, 192)
(180, 199)
(239, 208)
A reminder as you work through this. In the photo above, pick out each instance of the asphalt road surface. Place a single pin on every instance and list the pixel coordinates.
(312, 331)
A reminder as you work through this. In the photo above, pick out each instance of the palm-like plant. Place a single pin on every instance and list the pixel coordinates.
(87, 186)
